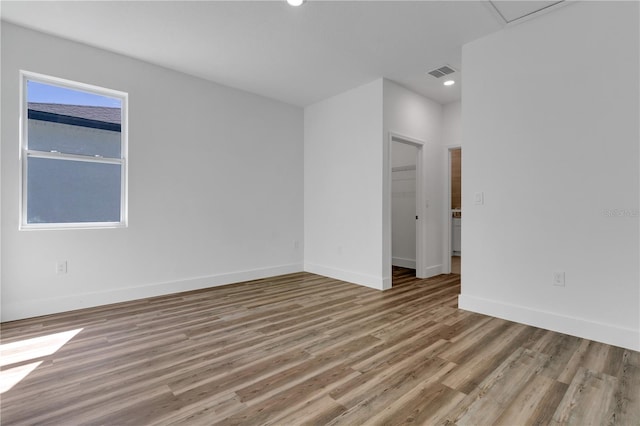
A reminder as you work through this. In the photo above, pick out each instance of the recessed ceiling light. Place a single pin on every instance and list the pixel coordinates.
(295, 2)
(449, 83)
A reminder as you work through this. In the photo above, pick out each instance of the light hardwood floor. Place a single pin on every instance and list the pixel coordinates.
(305, 349)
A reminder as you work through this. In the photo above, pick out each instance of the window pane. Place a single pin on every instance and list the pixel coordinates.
(65, 191)
(73, 121)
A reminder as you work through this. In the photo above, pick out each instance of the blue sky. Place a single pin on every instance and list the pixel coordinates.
(46, 93)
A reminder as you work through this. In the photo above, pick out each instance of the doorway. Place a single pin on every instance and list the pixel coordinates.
(455, 209)
(405, 239)
(404, 161)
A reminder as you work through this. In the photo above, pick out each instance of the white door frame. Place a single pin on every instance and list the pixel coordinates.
(421, 229)
(448, 221)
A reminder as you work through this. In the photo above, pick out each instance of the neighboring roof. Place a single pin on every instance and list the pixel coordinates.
(97, 113)
(106, 118)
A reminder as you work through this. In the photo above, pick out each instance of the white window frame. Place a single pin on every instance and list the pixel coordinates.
(25, 152)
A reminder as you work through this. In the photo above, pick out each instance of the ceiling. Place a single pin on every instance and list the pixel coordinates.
(298, 55)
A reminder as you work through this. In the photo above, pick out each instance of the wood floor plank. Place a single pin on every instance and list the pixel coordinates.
(497, 392)
(573, 364)
(530, 403)
(329, 358)
(305, 349)
(627, 396)
(201, 412)
(590, 400)
(372, 397)
(426, 404)
(560, 351)
(474, 369)
(268, 409)
(319, 411)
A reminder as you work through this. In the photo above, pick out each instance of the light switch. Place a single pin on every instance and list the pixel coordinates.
(478, 198)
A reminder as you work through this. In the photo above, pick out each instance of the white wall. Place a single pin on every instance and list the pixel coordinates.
(348, 184)
(215, 187)
(403, 204)
(452, 124)
(551, 136)
(416, 117)
(343, 143)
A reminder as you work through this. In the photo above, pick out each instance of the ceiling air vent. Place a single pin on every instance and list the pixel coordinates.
(442, 71)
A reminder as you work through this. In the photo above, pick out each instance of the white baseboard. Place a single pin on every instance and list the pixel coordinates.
(370, 281)
(432, 271)
(579, 327)
(404, 263)
(38, 307)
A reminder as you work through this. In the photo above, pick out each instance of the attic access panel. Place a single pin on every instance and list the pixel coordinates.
(511, 11)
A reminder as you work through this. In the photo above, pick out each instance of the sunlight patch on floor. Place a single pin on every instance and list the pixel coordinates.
(12, 376)
(28, 350)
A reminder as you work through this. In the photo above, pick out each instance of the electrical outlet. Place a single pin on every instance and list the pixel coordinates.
(296, 244)
(558, 279)
(61, 267)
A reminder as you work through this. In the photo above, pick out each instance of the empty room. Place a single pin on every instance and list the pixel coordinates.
(290, 212)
